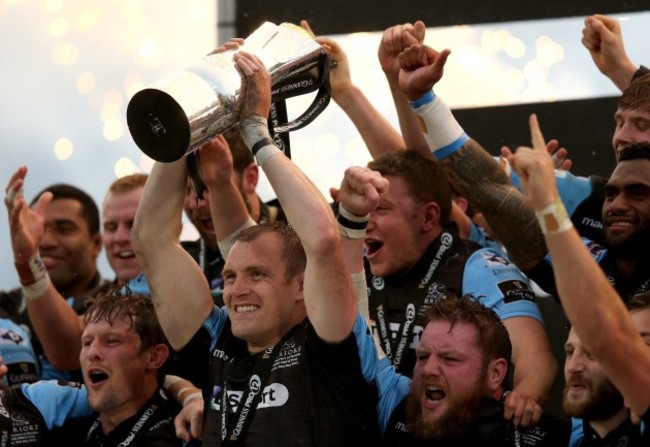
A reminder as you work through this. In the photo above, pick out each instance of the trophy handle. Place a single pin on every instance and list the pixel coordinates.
(319, 103)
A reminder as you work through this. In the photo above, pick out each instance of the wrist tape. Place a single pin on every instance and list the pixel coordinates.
(442, 132)
(170, 380)
(554, 218)
(33, 277)
(255, 133)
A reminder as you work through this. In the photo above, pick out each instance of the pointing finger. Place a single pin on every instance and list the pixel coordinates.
(536, 134)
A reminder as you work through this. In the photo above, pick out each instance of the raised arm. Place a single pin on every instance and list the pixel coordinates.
(229, 213)
(603, 38)
(395, 40)
(54, 321)
(592, 306)
(178, 287)
(473, 171)
(378, 134)
(328, 292)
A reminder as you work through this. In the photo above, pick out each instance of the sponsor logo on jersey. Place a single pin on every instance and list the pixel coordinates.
(595, 249)
(515, 290)
(378, 282)
(435, 291)
(273, 395)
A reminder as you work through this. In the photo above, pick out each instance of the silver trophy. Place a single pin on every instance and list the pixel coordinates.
(185, 109)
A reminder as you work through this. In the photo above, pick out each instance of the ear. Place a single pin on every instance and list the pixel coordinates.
(300, 279)
(250, 177)
(157, 356)
(431, 217)
(96, 244)
(496, 374)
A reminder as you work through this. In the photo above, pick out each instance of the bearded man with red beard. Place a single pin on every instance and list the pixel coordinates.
(459, 384)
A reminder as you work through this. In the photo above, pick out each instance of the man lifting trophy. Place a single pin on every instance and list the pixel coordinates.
(178, 113)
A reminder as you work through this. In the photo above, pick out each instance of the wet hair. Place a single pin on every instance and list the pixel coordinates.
(89, 209)
(636, 95)
(637, 151)
(128, 183)
(492, 336)
(135, 310)
(425, 179)
(293, 251)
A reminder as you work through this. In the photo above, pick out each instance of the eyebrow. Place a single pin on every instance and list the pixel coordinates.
(63, 221)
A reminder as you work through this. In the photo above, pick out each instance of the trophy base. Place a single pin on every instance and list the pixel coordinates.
(168, 134)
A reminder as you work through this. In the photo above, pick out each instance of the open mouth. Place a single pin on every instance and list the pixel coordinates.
(97, 376)
(373, 246)
(434, 394)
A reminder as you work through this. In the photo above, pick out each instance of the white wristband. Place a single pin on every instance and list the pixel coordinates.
(442, 132)
(350, 225)
(192, 397)
(553, 218)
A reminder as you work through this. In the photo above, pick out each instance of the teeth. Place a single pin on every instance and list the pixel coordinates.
(434, 393)
(244, 309)
(125, 254)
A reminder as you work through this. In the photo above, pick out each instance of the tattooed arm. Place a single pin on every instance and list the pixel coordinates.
(478, 177)
(481, 180)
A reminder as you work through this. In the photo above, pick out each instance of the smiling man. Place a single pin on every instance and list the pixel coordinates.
(118, 212)
(626, 226)
(246, 175)
(55, 247)
(292, 360)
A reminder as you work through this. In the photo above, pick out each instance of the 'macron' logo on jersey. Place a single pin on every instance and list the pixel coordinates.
(494, 259)
(9, 336)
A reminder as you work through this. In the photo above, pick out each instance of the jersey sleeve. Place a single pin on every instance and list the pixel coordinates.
(499, 285)
(573, 189)
(367, 348)
(393, 389)
(215, 323)
(57, 400)
(542, 273)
